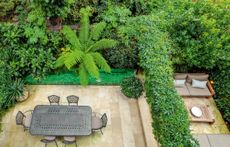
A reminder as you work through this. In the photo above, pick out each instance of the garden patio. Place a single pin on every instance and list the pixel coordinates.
(124, 121)
(157, 70)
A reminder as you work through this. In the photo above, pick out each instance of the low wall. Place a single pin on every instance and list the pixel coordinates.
(146, 122)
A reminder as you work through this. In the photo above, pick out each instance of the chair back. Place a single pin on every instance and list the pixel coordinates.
(104, 120)
(19, 118)
(54, 99)
(72, 99)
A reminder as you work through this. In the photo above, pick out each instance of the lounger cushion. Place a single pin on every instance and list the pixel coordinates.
(199, 84)
(182, 91)
(179, 83)
(180, 76)
(198, 91)
(200, 77)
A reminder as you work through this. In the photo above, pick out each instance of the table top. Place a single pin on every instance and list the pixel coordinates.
(61, 120)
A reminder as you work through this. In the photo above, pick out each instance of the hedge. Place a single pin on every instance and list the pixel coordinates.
(170, 118)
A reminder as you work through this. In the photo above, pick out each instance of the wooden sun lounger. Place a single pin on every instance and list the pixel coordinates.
(206, 117)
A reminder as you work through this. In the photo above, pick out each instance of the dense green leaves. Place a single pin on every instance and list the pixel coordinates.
(170, 118)
(131, 87)
(83, 53)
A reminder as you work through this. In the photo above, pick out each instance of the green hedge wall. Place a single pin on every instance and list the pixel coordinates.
(170, 118)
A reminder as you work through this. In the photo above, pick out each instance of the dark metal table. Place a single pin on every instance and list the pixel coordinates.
(60, 120)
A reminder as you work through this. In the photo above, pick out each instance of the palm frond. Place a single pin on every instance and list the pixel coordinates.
(72, 58)
(71, 36)
(102, 44)
(84, 29)
(91, 66)
(97, 30)
(83, 74)
(101, 62)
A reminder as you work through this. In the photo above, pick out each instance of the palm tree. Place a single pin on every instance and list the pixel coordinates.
(82, 51)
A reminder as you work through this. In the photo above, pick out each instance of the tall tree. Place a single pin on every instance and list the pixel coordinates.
(82, 52)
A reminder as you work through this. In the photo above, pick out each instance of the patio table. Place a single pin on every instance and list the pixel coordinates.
(61, 120)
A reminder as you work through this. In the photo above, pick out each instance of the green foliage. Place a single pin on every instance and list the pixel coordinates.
(54, 8)
(131, 87)
(7, 6)
(200, 32)
(125, 54)
(170, 118)
(221, 80)
(83, 52)
(224, 106)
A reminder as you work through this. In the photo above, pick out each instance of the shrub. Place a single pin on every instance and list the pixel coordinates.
(124, 55)
(224, 106)
(200, 32)
(131, 87)
(221, 80)
(170, 118)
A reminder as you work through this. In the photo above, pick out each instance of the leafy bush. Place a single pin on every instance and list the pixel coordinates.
(7, 6)
(221, 80)
(125, 54)
(200, 32)
(54, 8)
(224, 106)
(170, 118)
(131, 87)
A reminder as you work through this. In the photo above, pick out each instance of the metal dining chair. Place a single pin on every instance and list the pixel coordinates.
(54, 99)
(24, 119)
(49, 139)
(99, 122)
(72, 99)
(69, 140)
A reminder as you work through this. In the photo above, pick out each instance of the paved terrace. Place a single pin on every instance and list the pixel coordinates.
(124, 129)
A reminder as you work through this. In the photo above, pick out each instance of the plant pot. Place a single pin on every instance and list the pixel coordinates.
(55, 21)
(24, 96)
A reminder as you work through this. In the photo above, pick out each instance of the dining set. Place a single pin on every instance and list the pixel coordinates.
(61, 121)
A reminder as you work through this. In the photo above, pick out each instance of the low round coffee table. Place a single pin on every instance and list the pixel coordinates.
(196, 111)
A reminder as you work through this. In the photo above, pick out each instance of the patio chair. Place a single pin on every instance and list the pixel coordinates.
(69, 140)
(54, 99)
(49, 139)
(72, 99)
(24, 119)
(99, 122)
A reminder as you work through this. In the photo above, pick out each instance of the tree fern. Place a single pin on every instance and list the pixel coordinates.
(90, 66)
(83, 49)
(71, 36)
(101, 62)
(97, 30)
(102, 44)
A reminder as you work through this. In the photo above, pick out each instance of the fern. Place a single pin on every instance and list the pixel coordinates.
(90, 66)
(101, 62)
(83, 49)
(102, 44)
(71, 37)
(97, 30)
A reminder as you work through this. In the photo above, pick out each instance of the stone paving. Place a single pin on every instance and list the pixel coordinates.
(124, 127)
